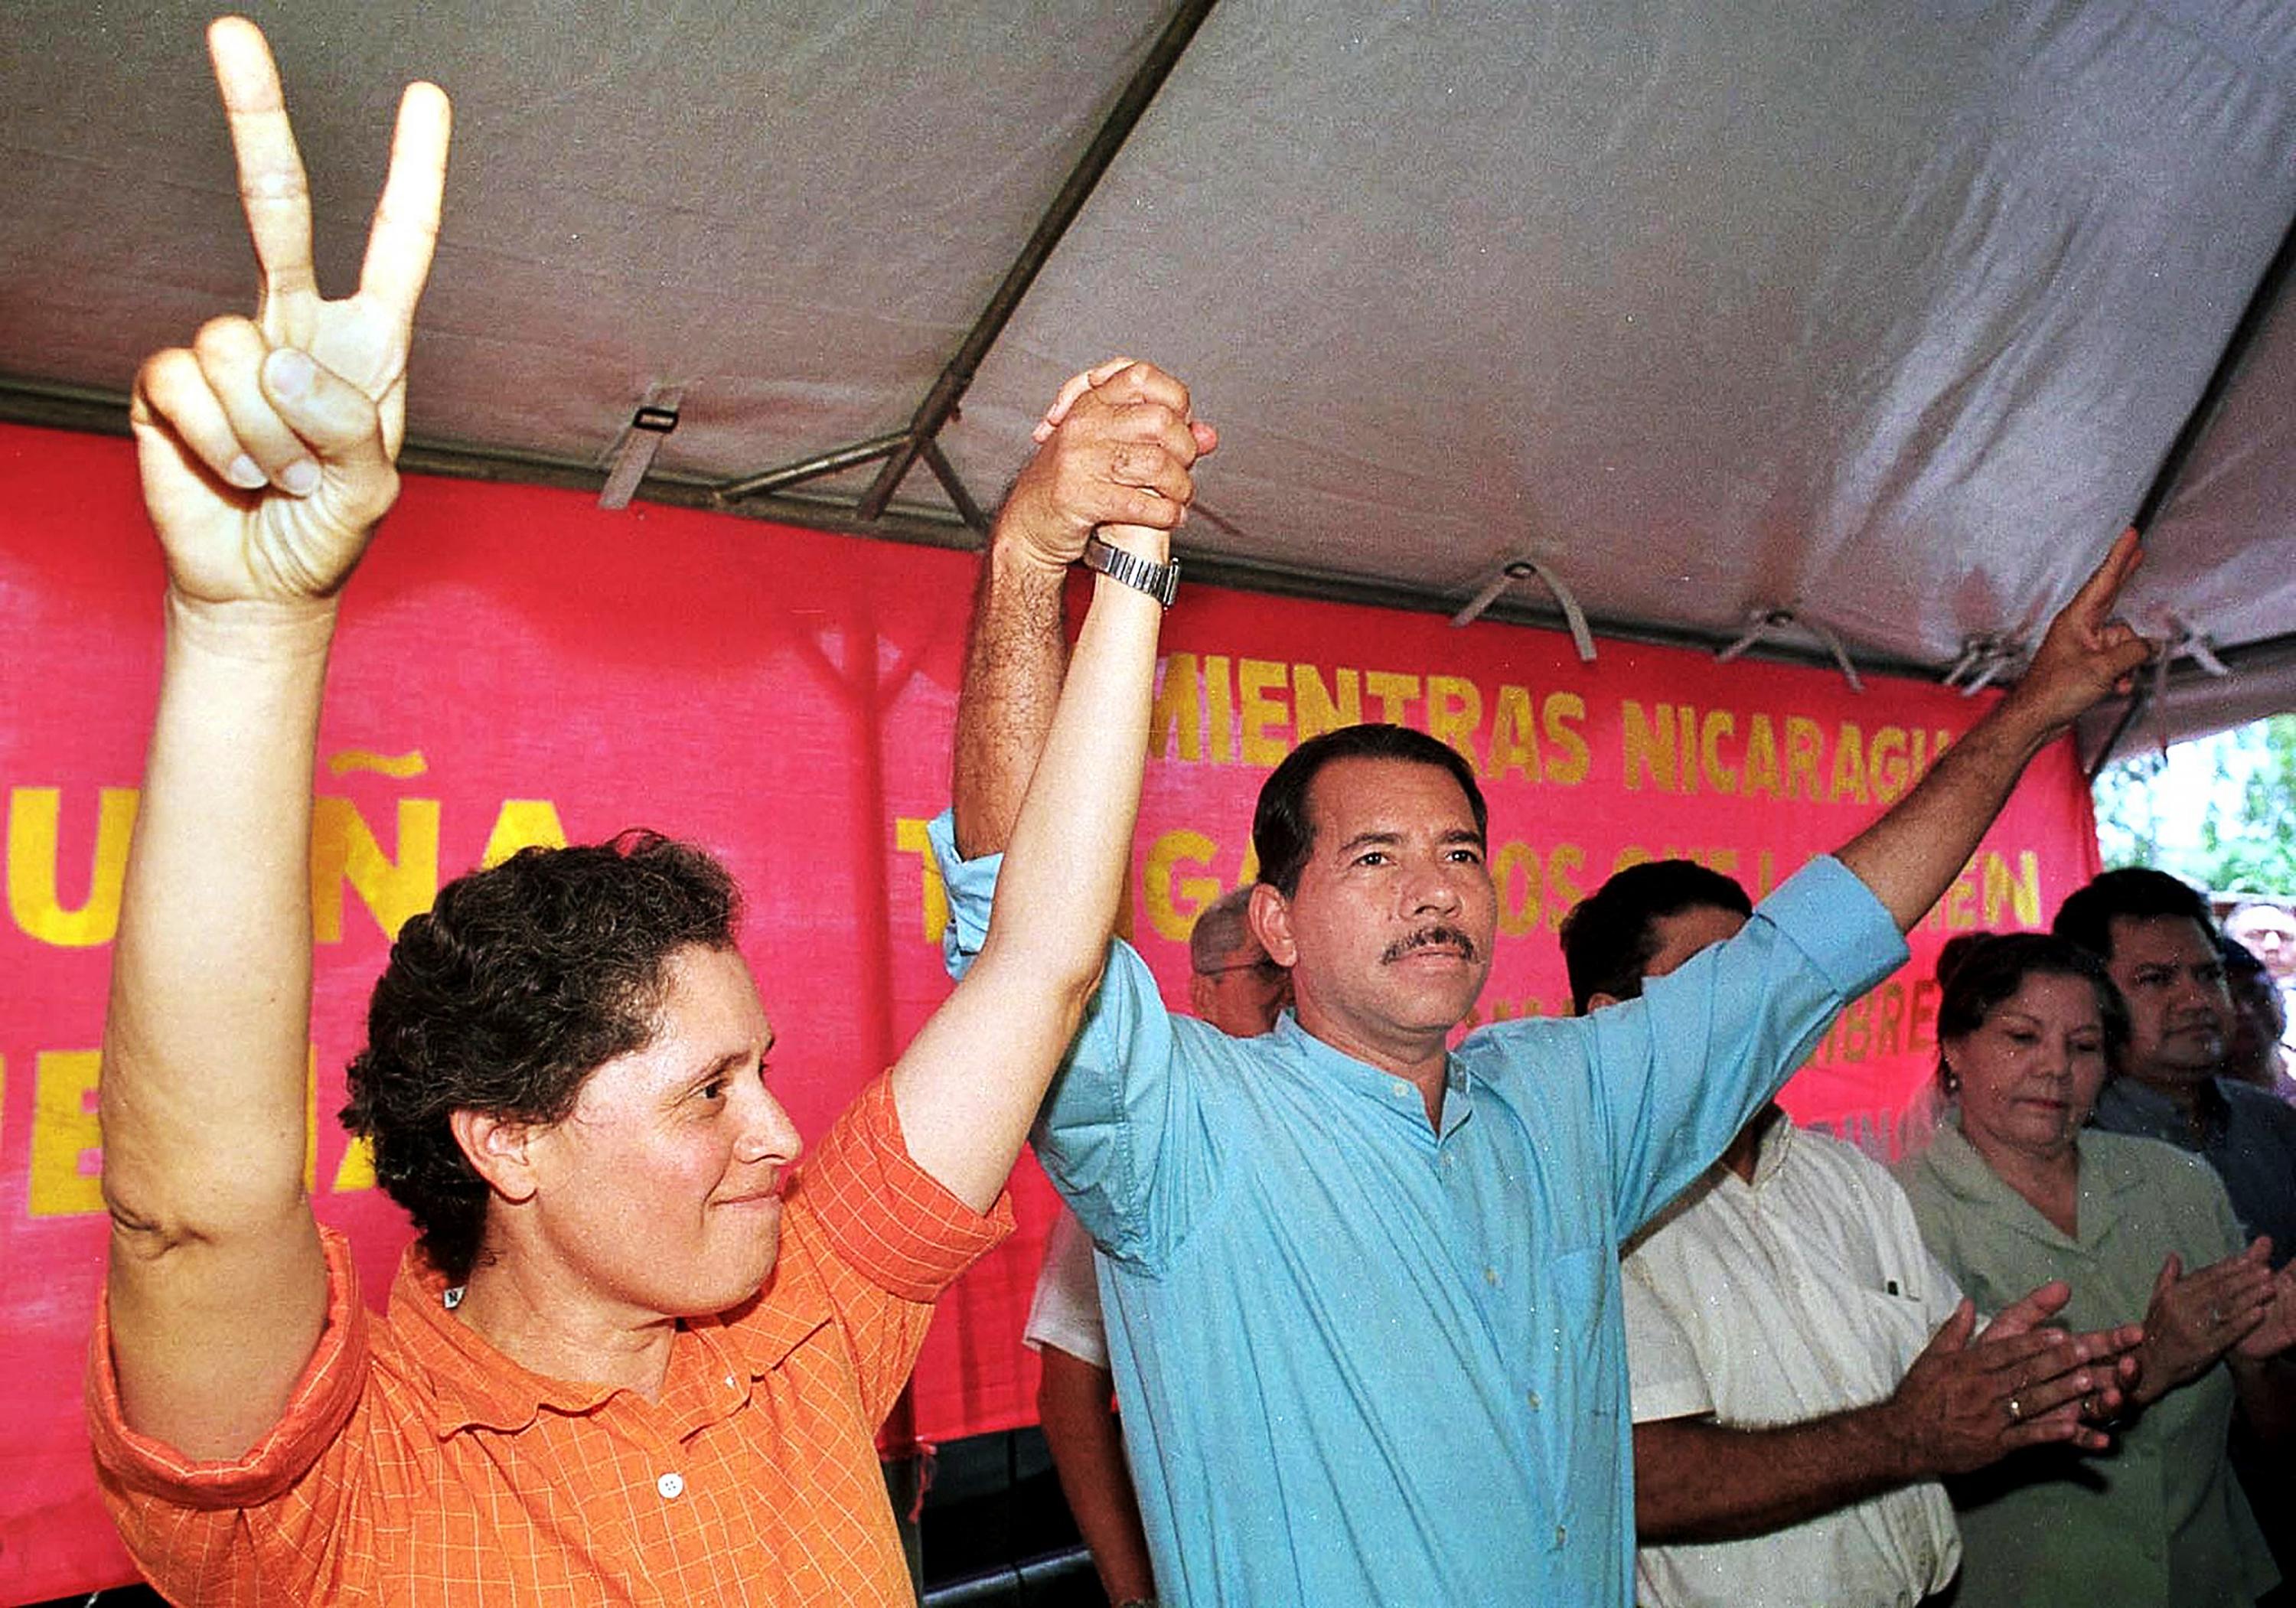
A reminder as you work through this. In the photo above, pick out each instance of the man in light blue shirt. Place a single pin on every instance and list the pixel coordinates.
(1369, 1359)
(1362, 1292)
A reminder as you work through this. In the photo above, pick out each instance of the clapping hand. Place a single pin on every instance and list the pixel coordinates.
(2196, 1317)
(2276, 1331)
(1971, 1399)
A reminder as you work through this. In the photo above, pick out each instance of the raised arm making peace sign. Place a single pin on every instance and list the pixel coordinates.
(266, 451)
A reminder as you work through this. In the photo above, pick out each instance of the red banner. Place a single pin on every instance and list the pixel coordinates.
(515, 666)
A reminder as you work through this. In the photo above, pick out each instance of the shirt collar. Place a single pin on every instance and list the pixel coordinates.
(1777, 1138)
(1965, 1174)
(2105, 1187)
(472, 1385)
(1382, 1088)
(2165, 1118)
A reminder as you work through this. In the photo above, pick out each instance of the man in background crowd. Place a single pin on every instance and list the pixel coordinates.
(2156, 939)
(1234, 985)
(2255, 1054)
(1802, 1371)
(2163, 949)
(2267, 930)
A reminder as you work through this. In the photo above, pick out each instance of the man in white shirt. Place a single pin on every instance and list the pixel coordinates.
(1802, 1370)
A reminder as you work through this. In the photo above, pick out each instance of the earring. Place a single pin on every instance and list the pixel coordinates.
(1948, 1079)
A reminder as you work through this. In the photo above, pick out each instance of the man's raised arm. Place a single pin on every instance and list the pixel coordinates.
(1911, 855)
(266, 452)
(1117, 449)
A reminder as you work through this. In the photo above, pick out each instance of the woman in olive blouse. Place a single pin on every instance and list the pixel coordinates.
(2012, 1192)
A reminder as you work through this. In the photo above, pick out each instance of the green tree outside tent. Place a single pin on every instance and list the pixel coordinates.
(2238, 835)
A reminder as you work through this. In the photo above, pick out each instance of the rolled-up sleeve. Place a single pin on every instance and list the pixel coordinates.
(972, 887)
(137, 1470)
(1844, 931)
(889, 1220)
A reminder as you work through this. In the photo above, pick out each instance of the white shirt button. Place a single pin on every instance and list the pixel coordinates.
(672, 1486)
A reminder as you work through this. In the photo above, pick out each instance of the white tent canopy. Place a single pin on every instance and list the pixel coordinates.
(1886, 315)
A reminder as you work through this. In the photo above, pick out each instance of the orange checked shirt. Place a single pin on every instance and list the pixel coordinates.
(415, 1465)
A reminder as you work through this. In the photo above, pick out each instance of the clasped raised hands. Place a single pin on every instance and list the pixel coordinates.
(1115, 448)
(268, 447)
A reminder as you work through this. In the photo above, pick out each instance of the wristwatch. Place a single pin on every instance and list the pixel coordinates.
(1160, 581)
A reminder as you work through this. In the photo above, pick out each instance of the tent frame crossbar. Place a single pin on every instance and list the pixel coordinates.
(104, 413)
(940, 404)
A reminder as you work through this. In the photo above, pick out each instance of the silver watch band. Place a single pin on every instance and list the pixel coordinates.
(1160, 581)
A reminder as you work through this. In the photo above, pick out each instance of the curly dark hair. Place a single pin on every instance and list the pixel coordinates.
(518, 983)
(1978, 973)
(1610, 936)
(1282, 833)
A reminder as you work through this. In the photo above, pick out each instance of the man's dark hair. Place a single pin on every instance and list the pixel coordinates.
(1978, 977)
(2133, 892)
(1610, 936)
(1283, 835)
(517, 984)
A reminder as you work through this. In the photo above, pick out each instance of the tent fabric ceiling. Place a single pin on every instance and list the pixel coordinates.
(1886, 314)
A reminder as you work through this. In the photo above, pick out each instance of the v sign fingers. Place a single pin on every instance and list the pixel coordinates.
(273, 190)
(364, 338)
(267, 459)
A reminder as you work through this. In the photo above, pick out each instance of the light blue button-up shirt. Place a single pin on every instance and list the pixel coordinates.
(1364, 1361)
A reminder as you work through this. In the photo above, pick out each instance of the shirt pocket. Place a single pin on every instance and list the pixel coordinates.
(1895, 1327)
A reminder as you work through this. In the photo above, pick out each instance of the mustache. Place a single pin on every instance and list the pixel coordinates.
(1426, 938)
